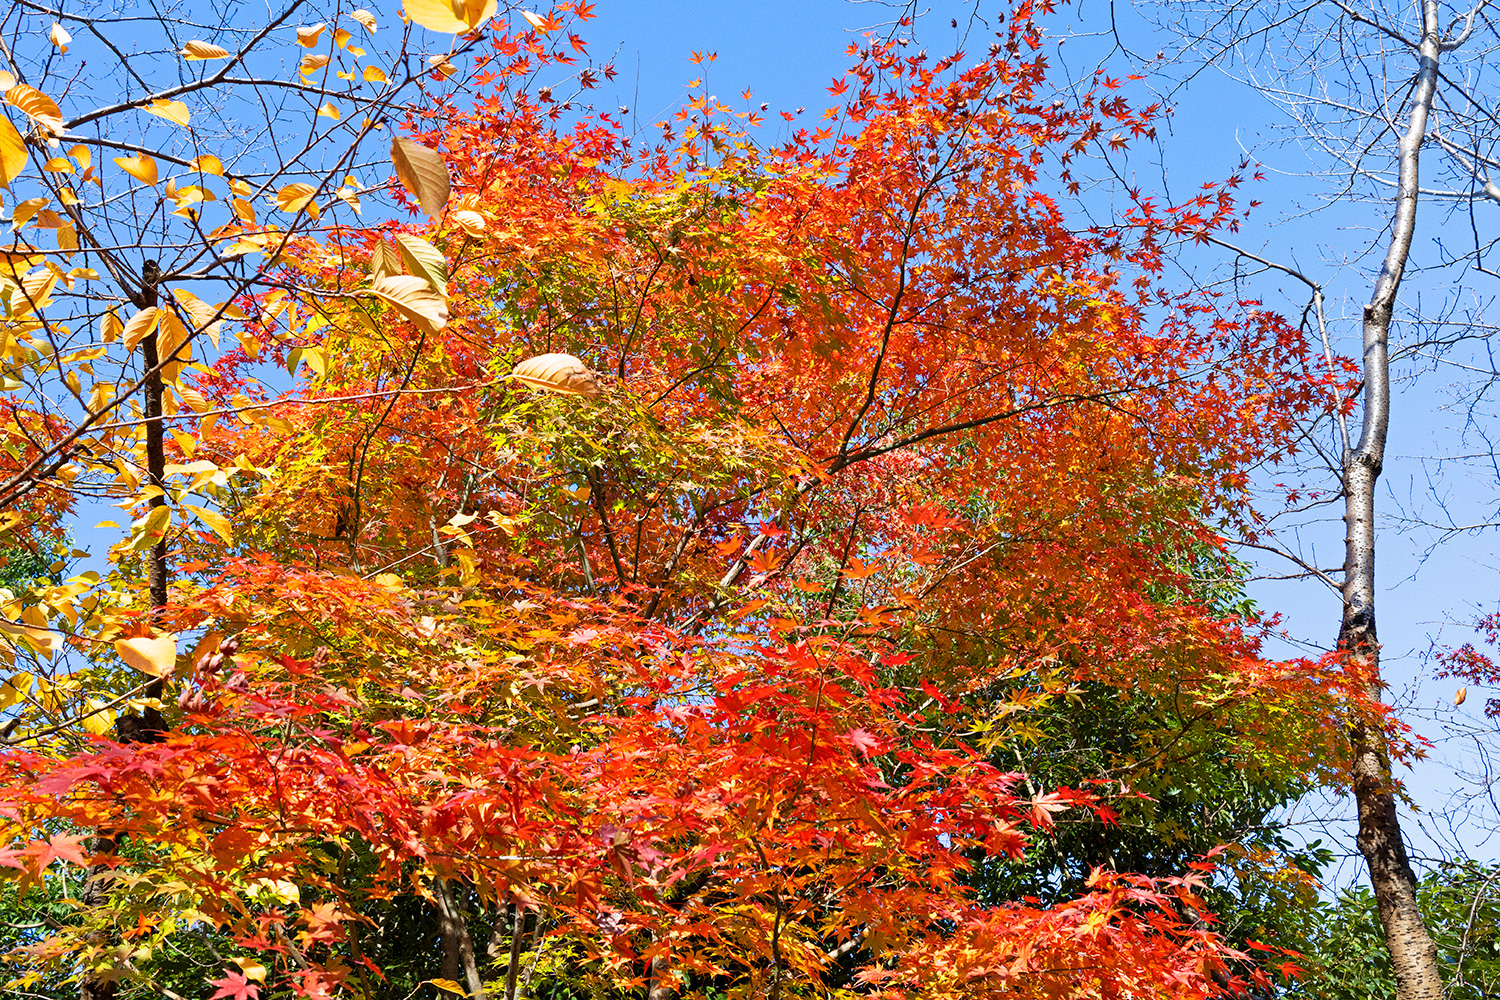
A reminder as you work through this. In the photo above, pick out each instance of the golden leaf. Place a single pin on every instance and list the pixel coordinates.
(196, 50)
(308, 37)
(327, 110)
(208, 163)
(312, 63)
(383, 261)
(156, 656)
(12, 152)
(140, 166)
(173, 111)
(1459, 695)
(423, 172)
(415, 299)
(59, 164)
(423, 259)
(450, 18)
(295, 197)
(82, 155)
(374, 74)
(60, 37)
(141, 325)
(37, 106)
(471, 222)
(365, 18)
(558, 372)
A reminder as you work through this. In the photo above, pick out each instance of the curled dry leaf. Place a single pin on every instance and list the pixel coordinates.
(414, 298)
(365, 18)
(1460, 695)
(196, 50)
(559, 373)
(156, 656)
(60, 37)
(423, 172)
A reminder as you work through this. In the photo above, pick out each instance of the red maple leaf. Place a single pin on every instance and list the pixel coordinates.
(235, 986)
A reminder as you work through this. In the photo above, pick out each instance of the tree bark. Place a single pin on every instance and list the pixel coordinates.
(1413, 954)
(148, 726)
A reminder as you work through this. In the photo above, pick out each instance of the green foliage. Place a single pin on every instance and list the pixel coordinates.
(1345, 953)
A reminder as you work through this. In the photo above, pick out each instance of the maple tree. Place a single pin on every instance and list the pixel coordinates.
(694, 665)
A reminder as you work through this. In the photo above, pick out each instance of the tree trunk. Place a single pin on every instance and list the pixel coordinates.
(148, 726)
(1413, 954)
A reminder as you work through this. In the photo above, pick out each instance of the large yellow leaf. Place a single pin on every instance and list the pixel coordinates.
(365, 18)
(37, 106)
(383, 261)
(423, 172)
(203, 50)
(308, 37)
(140, 166)
(449, 18)
(295, 197)
(12, 152)
(141, 326)
(423, 259)
(559, 373)
(173, 111)
(414, 298)
(156, 656)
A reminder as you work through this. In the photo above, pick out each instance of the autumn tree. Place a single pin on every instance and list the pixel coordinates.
(655, 548)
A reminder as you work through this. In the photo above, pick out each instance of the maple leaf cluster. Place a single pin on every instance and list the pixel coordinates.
(702, 667)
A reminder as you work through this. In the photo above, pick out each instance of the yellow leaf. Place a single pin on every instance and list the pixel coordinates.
(42, 640)
(539, 23)
(141, 166)
(173, 111)
(110, 327)
(447, 986)
(414, 298)
(559, 373)
(365, 18)
(329, 111)
(312, 63)
(423, 259)
(217, 523)
(308, 37)
(196, 50)
(471, 222)
(156, 656)
(59, 164)
(423, 172)
(141, 325)
(374, 74)
(383, 261)
(341, 37)
(12, 152)
(208, 163)
(60, 37)
(67, 238)
(36, 105)
(349, 196)
(295, 197)
(449, 18)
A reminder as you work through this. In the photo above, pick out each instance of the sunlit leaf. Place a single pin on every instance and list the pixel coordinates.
(173, 111)
(308, 37)
(140, 326)
(295, 197)
(60, 37)
(365, 18)
(423, 259)
(196, 50)
(155, 656)
(414, 298)
(37, 106)
(449, 18)
(140, 166)
(423, 172)
(558, 373)
(12, 152)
